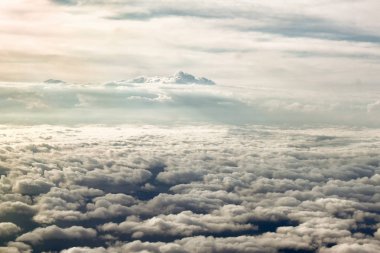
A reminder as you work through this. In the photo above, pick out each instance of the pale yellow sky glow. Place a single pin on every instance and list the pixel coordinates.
(246, 43)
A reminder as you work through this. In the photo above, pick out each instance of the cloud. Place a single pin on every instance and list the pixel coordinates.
(373, 107)
(269, 18)
(208, 244)
(182, 176)
(178, 78)
(40, 235)
(65, 1)
(348, 248)
(90, 2)
(229, 219)
(54, 81)
(8, 229)
(11, 208)
(30, 186)
(189, 188)
(176, 99)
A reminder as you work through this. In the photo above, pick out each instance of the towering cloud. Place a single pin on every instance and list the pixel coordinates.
(179, 78)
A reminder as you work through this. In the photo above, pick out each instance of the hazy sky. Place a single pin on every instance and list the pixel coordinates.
(318, 43)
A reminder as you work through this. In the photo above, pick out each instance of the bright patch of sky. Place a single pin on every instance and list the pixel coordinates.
(309, 44)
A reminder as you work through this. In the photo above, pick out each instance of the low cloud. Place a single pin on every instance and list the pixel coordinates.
(41, 235)
(32, 186)
(8, 229)
(263, 189)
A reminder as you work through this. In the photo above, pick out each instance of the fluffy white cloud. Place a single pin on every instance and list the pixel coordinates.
(228, 219)
(189, 189)
(40, 235)
(32, 186)
(12, 209)
(351, 248)
(8, 229)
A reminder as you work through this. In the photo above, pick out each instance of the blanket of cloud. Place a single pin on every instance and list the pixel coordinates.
(183, 99)
(209, 188)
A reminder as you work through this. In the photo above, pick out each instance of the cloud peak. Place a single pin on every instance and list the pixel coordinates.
(178, 78)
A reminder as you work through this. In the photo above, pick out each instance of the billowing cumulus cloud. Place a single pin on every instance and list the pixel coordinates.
(40, 235)
(31, 186)
(8, 229)
(209, 188)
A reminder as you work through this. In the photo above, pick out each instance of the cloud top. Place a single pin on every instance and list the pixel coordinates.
(189, 189)
(180, 77)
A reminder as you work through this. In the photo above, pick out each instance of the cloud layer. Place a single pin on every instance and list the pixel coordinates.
(182, 99)
(189, 189)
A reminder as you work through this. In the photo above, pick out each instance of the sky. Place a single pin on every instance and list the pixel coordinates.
(299, 63)
(309, 44)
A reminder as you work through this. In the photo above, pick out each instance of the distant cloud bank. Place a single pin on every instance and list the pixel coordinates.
(181, 99)
(179, 78)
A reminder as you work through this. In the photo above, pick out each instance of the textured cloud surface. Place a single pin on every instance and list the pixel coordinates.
(189, 189)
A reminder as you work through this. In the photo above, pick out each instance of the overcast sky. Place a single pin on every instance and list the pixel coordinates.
(318, 43)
